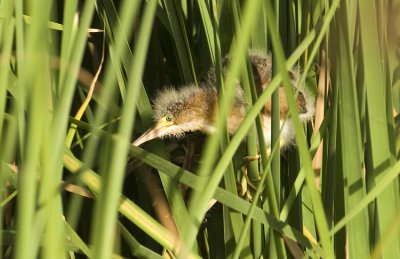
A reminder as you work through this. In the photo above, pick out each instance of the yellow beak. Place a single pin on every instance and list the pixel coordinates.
(156, 131)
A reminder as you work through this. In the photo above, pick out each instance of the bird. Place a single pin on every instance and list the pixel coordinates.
(193, 108)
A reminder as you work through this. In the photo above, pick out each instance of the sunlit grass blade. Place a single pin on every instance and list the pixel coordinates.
(221, 195)
(378, 137)
(351, 148)
(126, 207)
(35, 57)
(108, 198)
(301, 144)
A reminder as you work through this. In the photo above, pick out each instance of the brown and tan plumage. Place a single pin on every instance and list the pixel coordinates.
(192, 108)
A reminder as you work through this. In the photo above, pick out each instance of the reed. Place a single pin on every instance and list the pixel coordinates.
(76, 83)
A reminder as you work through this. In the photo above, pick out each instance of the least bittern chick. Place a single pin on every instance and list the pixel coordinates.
(192, 108)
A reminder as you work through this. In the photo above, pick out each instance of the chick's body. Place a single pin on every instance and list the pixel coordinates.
(192, 108)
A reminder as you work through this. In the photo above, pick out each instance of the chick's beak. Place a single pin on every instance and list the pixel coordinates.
(156, 131)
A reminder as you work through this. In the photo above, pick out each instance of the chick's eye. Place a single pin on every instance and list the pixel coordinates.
(168, 118)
